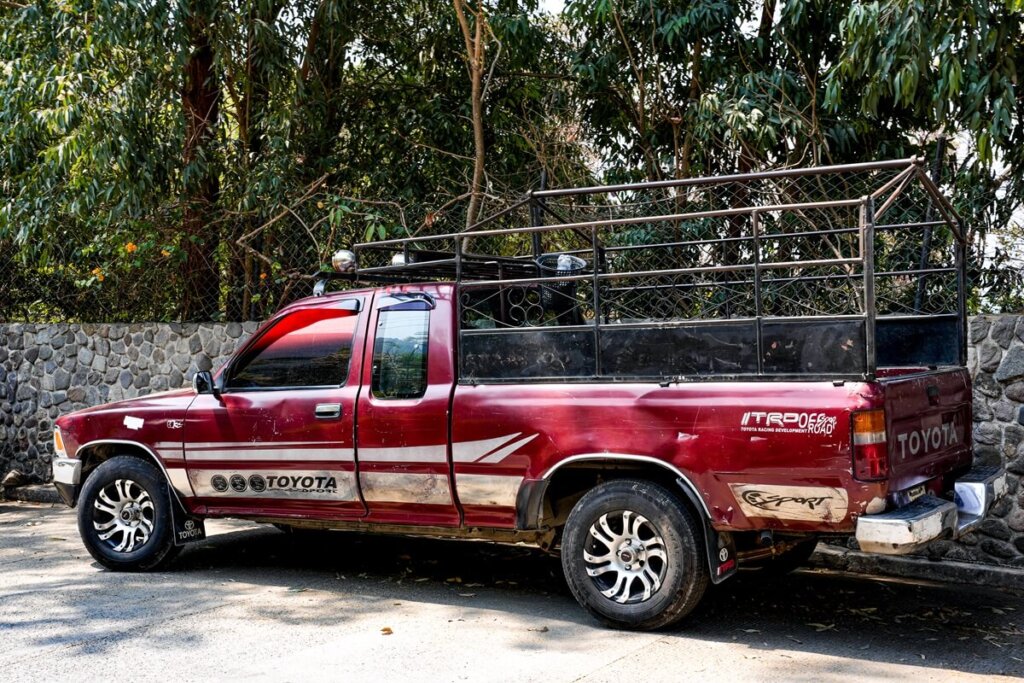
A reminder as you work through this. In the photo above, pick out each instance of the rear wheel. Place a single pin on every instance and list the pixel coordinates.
(124, 516)
(632, 555)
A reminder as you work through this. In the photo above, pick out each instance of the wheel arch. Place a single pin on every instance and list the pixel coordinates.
(94, 453)
(547, 501)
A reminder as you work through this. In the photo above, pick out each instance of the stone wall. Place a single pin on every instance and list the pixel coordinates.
(996, 361)
(46, 370)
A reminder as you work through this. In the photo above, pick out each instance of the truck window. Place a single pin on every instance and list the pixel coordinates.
(309, 348)
(400, 354)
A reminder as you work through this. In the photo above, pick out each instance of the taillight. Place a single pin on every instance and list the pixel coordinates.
(870, 450)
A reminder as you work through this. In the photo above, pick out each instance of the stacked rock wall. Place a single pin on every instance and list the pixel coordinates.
(47, 370)
(996, 361)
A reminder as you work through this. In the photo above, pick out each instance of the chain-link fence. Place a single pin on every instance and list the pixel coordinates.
(237, 268)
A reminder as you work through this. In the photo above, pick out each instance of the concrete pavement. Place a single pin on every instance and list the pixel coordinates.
(254, 603)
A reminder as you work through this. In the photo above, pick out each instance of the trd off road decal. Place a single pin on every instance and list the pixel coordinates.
(311, 484)
(799, 422)
(799, 503)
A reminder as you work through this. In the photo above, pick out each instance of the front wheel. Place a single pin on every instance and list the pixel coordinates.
(124, 516)
(632, 555)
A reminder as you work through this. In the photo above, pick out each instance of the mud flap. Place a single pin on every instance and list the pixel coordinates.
(721, 553)
(720, 547)
(187, 529)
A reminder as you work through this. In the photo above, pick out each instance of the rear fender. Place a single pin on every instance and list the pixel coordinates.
(720, 546)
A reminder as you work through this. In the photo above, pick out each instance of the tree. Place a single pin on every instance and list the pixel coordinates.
(199, 158)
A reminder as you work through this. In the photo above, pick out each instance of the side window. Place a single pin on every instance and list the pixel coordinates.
(400, 354)
(309, 348)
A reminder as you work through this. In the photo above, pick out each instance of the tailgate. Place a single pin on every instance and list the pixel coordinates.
(928, 419)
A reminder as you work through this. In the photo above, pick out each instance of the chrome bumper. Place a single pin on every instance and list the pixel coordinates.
(67, 471)
(929, 518)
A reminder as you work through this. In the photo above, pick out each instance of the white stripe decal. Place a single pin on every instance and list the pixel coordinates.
(485, 489)
(256, 444)
(429, 454)
(179, 480)
(484, 451)
(393, 487)
(501, 454)
(275, 454)
(471, 451)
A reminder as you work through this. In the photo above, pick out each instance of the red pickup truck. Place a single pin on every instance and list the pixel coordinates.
(513, 397)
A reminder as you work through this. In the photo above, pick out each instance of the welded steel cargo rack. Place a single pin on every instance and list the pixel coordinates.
(832, 272)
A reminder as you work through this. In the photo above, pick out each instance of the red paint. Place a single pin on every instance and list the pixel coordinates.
(709, 432)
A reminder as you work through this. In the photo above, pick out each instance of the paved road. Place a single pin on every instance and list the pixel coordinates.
(253, 603)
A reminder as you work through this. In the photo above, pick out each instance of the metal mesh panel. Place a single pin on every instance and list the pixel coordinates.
(772, 273)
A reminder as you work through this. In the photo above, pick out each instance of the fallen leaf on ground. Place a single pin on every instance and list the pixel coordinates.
(468, 595)
(750, 630)
(297, 589)
(454, 579)
(386, 631)
(822, 627)
(542, 629)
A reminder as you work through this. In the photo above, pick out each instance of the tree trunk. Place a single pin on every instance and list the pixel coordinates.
(200, 102)
(253, 133)
(475, 63)
(764, 33)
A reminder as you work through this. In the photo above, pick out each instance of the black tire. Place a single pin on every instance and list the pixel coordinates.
(144, 541)
(682, 574)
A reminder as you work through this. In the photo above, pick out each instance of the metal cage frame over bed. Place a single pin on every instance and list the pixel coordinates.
(830, 272)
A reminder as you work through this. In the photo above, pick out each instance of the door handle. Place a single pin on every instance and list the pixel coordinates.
(327, 411)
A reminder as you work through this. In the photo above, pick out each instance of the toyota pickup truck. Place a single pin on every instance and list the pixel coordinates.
(553, 397)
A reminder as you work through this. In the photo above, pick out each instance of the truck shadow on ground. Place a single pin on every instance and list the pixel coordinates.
(260, 574)
(973, 629)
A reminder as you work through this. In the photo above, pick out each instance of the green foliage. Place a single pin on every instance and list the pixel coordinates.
(345, 120)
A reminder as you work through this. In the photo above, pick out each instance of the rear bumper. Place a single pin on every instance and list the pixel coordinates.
(929, 518)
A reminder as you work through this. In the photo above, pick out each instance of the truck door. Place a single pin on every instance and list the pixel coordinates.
(278, 440)
(402, 442)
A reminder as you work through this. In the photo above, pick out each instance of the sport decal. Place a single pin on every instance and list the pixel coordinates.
(798, 503)
(310, 484)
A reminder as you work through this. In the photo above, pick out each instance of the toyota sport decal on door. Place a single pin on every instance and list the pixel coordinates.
(335, 485)
(315, 484)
